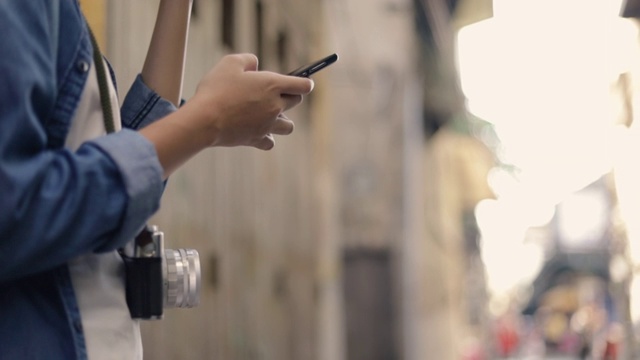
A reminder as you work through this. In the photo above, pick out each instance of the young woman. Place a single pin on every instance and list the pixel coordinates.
(77, 182)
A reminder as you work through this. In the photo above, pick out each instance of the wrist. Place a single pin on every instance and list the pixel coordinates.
(204, 117)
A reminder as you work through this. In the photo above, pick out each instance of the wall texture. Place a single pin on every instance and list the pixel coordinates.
(277, 230)
(252, 215)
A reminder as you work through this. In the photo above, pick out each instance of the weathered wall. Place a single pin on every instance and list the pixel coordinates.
(251, 214)
(375, 102)
(456, 167)
(275, 229)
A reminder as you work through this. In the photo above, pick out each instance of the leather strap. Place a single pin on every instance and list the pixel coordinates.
(105, 100)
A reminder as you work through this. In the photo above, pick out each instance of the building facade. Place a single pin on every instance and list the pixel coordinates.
(315, 249)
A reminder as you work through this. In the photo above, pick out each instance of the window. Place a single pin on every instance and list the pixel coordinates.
(259, 29)
(283, 49)
(228, 23)
(194, 9)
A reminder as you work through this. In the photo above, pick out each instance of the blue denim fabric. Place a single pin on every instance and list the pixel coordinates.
(56, 204)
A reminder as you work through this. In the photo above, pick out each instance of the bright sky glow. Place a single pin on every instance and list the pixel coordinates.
(541, 71)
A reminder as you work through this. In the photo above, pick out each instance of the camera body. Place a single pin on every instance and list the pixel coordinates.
(159, 278)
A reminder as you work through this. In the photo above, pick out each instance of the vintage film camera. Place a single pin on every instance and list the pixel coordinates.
(158, 278)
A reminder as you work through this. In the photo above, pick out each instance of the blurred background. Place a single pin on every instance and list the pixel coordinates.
(461, 184)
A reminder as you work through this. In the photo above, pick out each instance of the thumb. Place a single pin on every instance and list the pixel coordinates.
(249, 61)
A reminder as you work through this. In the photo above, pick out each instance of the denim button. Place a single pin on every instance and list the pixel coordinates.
(83, 66)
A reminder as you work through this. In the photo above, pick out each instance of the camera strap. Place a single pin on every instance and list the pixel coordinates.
(105, 101)
(103, 86)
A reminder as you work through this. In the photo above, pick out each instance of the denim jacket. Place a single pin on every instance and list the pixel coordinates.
(56, 204)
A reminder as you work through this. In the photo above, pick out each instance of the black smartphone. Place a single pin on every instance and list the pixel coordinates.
(315, 66)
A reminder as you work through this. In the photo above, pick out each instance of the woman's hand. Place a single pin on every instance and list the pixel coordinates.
(243, 106)
(234, 105)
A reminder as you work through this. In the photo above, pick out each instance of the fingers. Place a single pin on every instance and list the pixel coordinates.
(259, 99)
(266, 143)
(291, 101)
(250, 62)
(247, 62)
(285, 84)
(294, 85)
(282, 125)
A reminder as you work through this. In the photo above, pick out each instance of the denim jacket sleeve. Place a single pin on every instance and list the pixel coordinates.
(56, 204)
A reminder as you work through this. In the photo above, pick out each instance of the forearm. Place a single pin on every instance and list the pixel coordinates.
(164, 65)
(65, 203)
(178, 137)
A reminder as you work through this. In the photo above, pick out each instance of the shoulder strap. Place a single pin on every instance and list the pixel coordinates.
(105, 100)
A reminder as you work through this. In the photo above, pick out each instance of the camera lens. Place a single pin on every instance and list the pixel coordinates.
(182, 278)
